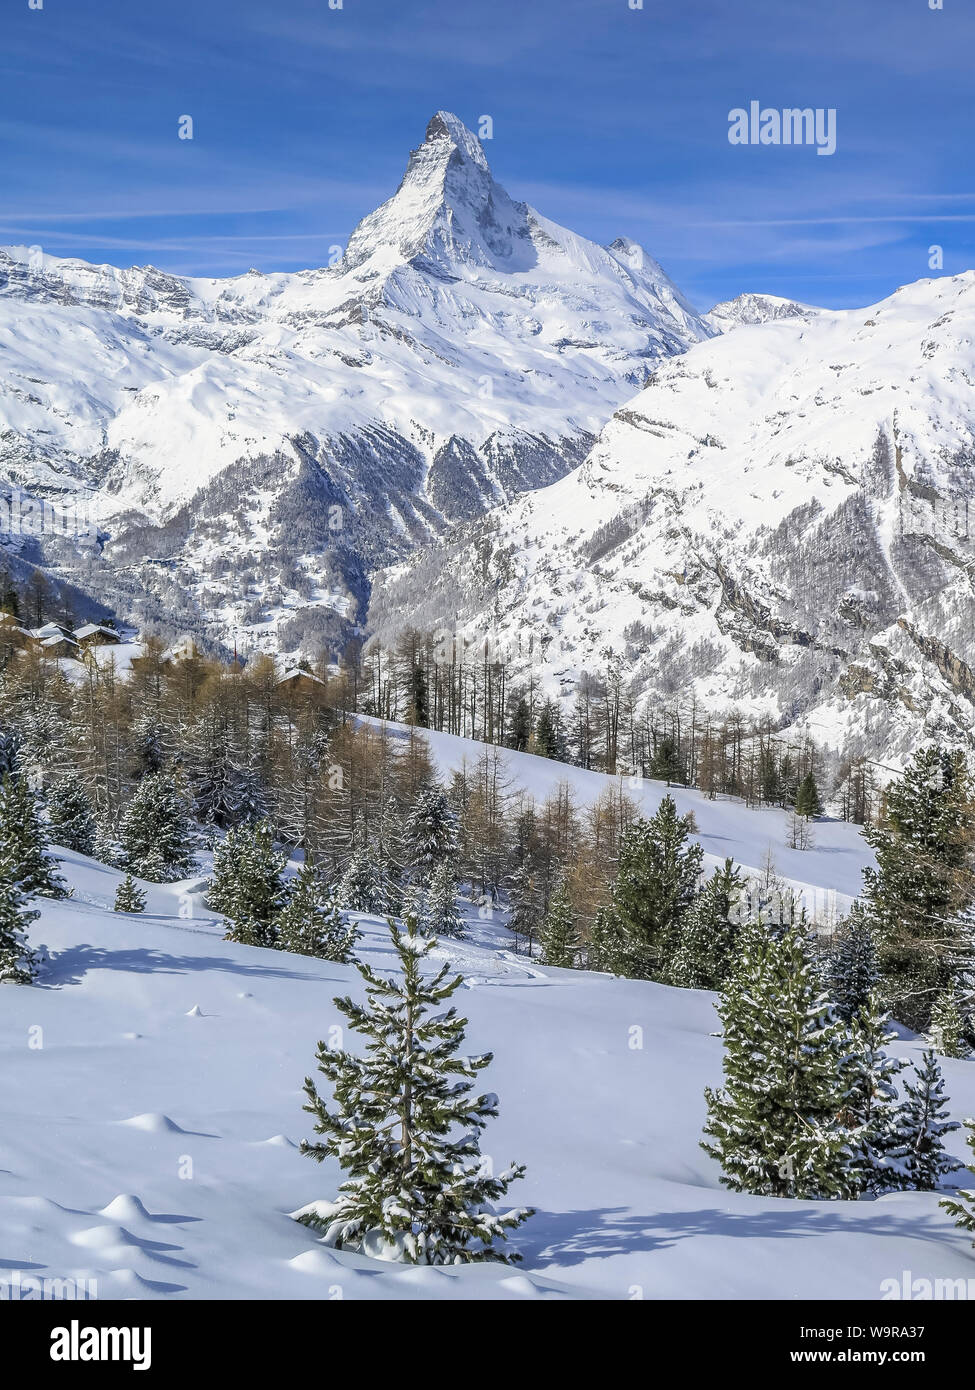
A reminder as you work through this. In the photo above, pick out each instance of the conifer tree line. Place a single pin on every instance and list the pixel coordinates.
(469, 691)
(131, 769)
(811, 1106)
(27, 869)
(814, 1104)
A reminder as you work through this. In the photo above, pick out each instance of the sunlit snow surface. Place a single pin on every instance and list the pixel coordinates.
(168, 1052)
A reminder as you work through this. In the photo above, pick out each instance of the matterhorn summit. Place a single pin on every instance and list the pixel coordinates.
(280, 436)
(448, 209)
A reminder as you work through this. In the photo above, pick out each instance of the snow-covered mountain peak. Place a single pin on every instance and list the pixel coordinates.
(448, 210)
(466, 348)
(446, 128)
(757, 308)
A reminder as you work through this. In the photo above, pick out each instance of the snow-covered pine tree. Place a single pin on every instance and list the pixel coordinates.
(445, 918)
(707, 933)
(946, 1032)
(388, 854)
(416, 908)
(853, 972)
(920, 1126)
(71, 817)
(606, 944)
(226, 791)
(106, 848)
(962, 1205)
(155, 833)
(9, 751)
(431, 833)
(778, 1125)
(962, 967)
(43, 738)
(406, 1126)
(526, 903)
(872, 1105)
(921, 888)
(360, 888)
(656, 882)
(247, 885)
(18, 963)
(129, 897)
(147, 738)
(311, 922)
(560, 937)
(250, 798)
(20, 827)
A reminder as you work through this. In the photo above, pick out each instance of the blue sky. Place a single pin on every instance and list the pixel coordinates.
(610, 120)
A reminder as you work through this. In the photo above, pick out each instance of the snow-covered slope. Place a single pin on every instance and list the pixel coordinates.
(778, 521)
(150, 1143)
(308, 426)
(827, 877)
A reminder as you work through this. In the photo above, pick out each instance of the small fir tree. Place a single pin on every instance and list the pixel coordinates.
(549, 733)
(106, 848)
(872, 1105)
(18, 963)
(606, 945)
(921, 1125)
(656, 883)
(445, 918)
(918, 893)
(155, 832)
(526, 903)
(418, 709)
(311, 922)
(431, 833)
(150, 754)
(962, 1205)
(388, 854)
(416, 908)
(71, 817)
(666, 764)
(360, 888)
(808, 803)
(946, 1033)
(35, 871)
(520, 729)
(129, 897)
(778, 1126)
(406, 1126)
(853, 969)
(708, 932)
(247, 885)
(560, 937)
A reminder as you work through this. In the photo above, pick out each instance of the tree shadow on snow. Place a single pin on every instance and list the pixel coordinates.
(570, 1238)
(70, 966)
